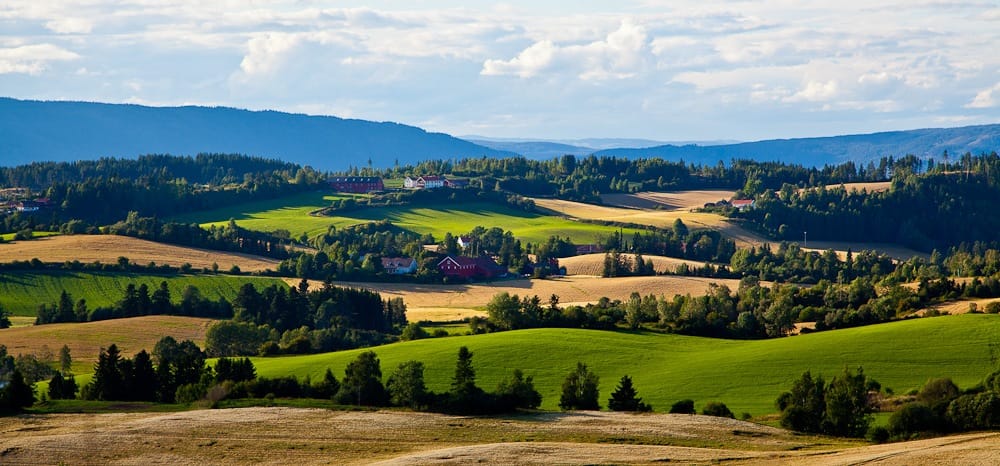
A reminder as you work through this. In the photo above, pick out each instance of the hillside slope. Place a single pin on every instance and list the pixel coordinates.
(746, 375)
(930, 142)
(64, 131)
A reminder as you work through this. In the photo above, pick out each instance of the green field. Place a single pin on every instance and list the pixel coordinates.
(37, 234)
(292, 214)
(22, 292)
(746, 375)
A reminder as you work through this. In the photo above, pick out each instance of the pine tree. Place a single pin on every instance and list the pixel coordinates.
(17, 394)
(109, 380)
(624, 398)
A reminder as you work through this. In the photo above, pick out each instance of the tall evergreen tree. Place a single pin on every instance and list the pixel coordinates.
(625, 398)
(108, 380)
(143, 383)
(362, 384)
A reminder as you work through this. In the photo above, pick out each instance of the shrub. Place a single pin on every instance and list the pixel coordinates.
(683, 407)
(912, 419)
(971, 412)
(717, 409)
(878, 434)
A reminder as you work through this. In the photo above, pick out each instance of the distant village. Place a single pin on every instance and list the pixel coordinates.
(20, 200)
(374, 184)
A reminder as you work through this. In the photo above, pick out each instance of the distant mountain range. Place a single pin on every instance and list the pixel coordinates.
(62, 131)
(549, 148)
(859, 148)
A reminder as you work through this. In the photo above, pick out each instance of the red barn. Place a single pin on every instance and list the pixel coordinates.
(356, 184)
(468, 267)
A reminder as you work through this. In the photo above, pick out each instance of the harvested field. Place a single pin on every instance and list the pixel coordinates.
(86, 339)
(569, 289)
(872, 187)
(313, 436)
(108, 248)
(679, 200)
(656, 218)
(593, 264)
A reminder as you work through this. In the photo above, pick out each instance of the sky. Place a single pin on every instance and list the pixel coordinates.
(663, 70)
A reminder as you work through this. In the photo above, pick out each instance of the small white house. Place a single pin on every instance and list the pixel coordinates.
(399, 265)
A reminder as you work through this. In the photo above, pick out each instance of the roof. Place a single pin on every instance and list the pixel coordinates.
(354, 179)
(460, 260)
(432, 178)
(397, 261)
(742, 202)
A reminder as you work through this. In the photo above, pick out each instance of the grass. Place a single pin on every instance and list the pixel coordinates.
(37, 234)
(22, 292)
(746, 375)
(292, 214)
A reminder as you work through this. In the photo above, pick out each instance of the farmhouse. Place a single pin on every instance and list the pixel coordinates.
(456, 184)
(468, 267)
(424, 182)
(743, 204)
(356, 184)
(588, 249)
(28, 206)
(464, 241)
(399, 265)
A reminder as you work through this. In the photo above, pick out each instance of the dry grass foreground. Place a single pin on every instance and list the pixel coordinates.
(85, 340)
(453, 302)
(108, 248)
(312, 436)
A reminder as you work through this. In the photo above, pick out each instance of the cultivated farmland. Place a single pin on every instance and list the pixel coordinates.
(593, 264)
(430, 302)
(86, 339)
(293, 214)
(746, 375)
(21, 292)
(108, 248)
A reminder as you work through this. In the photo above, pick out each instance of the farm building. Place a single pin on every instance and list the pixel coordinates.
(464, 241)
(743, 204)
(399, 265)
(588, 249)
(455, 183)
(424, 182)
(356, 184)
(469, 267)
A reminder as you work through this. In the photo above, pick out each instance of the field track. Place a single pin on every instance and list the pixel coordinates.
(313, 436)
(108, 248)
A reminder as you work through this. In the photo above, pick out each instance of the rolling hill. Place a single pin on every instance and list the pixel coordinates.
(65, 131)
(930, 142)
(746, 375)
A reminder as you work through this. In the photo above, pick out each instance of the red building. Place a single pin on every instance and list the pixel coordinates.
(356, 184)
(468, 267)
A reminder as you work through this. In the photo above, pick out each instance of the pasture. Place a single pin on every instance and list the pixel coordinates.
(746, 375)
(106, 249)
(22, 291)
(293, 214)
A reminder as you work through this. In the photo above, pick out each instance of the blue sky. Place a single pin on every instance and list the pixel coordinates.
(666, 70)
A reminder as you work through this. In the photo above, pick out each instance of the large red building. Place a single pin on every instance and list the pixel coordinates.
(356, 184)
(468, 267)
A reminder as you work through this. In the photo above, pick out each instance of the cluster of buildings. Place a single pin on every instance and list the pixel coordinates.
(374, 184)
(25, 206)
(483, 267)
(433, 181)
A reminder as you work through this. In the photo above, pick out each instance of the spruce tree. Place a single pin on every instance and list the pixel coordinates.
(625, 398)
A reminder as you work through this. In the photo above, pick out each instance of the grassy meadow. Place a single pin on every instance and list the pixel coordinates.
(22, 291)
(292, 214)
(746, 375)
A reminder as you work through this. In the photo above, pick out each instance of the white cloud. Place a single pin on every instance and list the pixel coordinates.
(815, 91)
(265, 53)
(70, 26)
(987, 98)
(32, 59)
(621, 54)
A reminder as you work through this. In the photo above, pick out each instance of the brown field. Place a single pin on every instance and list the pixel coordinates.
(314, 436)
(593, 264)
(442, 303)
(873, 187)
(657, 218)
(892, 250)
(108, 248)
(86, 339)
(679, 200)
